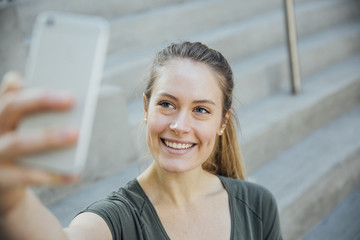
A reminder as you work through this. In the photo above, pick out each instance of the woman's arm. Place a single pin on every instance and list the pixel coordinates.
(22, 215)
(29, 219)
(88, 225)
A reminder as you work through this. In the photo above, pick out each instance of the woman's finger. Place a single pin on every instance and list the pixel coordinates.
(16, 105)
(11, 81)
(17, 144)
(12, 176)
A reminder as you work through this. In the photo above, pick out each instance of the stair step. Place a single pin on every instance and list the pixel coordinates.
(277, 122)
(269, 69)
(129, 69)
(176, 21)
(156, 19)
(340, 223)
(244, 38)
(164, 24)
(317, 15)
(305, 178)
(341, 42)
(28, 10)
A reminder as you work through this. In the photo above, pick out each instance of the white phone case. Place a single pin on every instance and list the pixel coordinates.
(67, 53)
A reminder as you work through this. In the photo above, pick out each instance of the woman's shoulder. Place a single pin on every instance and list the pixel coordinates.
(239, 187)
(121, 210)
(254, 196)
(131, 190)
(254, 204)
(126, 199)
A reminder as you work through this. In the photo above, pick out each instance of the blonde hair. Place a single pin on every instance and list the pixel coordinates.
(225, 159)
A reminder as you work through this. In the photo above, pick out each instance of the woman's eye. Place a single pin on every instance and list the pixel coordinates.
(166, 104)
(201, 110)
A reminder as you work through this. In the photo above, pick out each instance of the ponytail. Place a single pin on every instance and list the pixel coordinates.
(226, 159)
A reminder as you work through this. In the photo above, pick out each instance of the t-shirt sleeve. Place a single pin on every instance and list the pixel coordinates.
(121, 216)
(271, 222)
(111, 213)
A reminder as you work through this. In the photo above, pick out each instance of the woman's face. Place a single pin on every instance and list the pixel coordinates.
(184, 115)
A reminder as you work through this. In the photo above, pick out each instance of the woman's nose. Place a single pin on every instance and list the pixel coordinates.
(180, 124)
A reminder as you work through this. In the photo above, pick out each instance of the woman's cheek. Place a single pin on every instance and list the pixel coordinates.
(157, 123)
(206, 134)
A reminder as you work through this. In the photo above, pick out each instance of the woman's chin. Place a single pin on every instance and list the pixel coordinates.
(175, 167)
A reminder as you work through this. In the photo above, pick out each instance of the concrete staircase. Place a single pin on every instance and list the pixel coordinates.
(305, 148)
(347, 228)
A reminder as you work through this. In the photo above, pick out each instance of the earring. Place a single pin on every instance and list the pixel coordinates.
(221, 131)
(145, 119)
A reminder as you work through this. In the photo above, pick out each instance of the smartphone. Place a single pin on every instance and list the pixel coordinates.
(67, 52)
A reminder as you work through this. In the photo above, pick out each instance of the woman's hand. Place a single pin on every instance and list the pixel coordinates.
(15, 104)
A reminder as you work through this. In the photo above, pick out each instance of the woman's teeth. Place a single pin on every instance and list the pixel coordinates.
(177, 145)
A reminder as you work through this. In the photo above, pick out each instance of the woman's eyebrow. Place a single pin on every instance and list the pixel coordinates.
(167, 95)
(201, 101)
(204, 101)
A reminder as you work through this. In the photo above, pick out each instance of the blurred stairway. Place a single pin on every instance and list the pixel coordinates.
(305, 148)
(340, 223)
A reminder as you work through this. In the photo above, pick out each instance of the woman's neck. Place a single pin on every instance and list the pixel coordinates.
(178, 189)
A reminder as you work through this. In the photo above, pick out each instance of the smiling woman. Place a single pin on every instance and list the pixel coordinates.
(194, 189)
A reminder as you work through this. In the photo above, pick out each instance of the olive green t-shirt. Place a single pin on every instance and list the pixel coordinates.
(131, 216)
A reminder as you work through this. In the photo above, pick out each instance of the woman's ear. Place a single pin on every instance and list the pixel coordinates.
(145, 108)
(225, 121)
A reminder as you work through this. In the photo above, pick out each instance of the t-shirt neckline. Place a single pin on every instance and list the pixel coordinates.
(157, 218)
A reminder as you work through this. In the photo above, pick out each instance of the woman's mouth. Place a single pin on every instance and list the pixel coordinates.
(177, 145)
